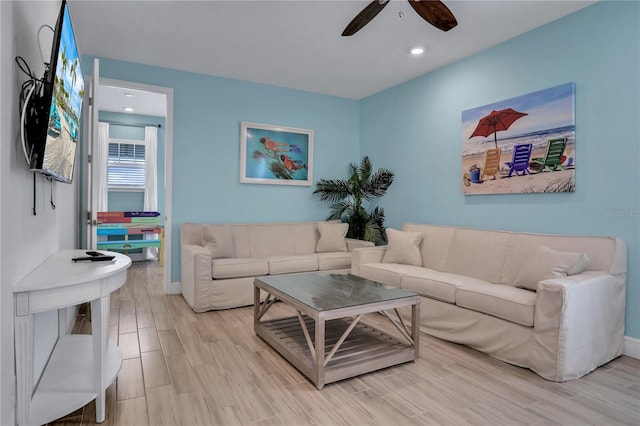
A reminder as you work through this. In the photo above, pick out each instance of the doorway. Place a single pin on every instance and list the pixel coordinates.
(129, 108)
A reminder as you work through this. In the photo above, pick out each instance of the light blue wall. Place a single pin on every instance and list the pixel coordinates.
(120, 201)
(415, 130)
(206, 145)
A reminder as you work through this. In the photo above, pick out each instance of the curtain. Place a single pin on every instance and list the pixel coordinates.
(100, 162)
(150, 202)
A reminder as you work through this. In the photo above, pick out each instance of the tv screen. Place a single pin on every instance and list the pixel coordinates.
(55, 147)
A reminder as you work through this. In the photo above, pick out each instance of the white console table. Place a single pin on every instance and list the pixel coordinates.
(81, 367)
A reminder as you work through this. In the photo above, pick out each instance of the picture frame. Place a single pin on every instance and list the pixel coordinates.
(521, 145)
(275, 155)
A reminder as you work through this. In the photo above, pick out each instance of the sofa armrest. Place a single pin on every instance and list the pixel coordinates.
(578, 324)
(364, 255)
(195, 264)
(352, 243)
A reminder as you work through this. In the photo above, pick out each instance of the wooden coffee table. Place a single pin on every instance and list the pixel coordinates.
(326, 339)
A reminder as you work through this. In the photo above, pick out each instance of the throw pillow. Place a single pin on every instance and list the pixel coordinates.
(579, 265)
(547, 263)
(332, 237)
(403, 247)
(219, 241)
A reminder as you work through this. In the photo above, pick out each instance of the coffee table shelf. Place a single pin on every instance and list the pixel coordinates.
(366, 348)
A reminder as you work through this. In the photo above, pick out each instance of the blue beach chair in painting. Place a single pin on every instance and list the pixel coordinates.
(552, 159)
(519, 164)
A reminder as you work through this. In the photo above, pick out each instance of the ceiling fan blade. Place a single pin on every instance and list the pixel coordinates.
(365, 15)
(435, 13)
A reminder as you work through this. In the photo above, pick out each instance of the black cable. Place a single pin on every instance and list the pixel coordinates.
(24, 67)
(28, 84)
(34, 194)
(53, 206)
(33, 88)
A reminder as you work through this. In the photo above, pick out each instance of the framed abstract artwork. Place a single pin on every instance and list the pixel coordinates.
(275, 154)
(521, 145)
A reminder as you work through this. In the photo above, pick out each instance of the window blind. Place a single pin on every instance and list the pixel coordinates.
(126, 165)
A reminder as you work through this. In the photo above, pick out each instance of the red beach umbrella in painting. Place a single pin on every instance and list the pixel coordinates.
(496, 121)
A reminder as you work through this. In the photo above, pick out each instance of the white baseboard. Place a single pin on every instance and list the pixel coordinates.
(631, 347)
(174, 288)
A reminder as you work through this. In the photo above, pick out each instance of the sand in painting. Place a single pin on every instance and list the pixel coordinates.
(535, 182)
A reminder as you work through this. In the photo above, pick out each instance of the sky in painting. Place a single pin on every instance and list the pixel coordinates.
(67, 42)
(547, 109)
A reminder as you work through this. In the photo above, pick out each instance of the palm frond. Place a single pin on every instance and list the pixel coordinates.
(365, 170)
(372, 234)
(339, 209)
(378, 215)
(378, 184)
(332, 190)
(373, 231)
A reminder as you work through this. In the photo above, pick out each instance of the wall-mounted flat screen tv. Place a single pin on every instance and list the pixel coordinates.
(54, 146)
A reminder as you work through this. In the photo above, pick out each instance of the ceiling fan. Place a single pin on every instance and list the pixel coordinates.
(432, 11)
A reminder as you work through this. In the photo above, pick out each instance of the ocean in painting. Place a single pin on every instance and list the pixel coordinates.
(538, 138)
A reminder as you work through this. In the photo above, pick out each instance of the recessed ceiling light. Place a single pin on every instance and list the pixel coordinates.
(129, 95)
(417, 51)
(128, 109)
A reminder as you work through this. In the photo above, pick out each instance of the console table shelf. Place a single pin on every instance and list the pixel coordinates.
(69, 382)
(81, 367)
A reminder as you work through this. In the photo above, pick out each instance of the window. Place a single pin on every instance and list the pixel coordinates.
(126, 165)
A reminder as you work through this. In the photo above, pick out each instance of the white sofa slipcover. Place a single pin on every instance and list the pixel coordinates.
(220, 262)
(566, 328)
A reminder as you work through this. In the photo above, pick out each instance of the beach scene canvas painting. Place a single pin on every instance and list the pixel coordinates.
(275, 154)
(521, 145)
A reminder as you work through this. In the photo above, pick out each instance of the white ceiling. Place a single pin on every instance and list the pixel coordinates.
(297, 44)
(115, 99)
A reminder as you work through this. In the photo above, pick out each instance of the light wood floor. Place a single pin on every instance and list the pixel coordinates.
(182, 368)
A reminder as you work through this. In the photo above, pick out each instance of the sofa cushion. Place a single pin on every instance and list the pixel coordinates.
(288, 264)
(478, 253)
(387, 273)
(404, 247)
(436, 241)
(436, 284)
(547, 263)
(272, 240)
(502, 301)
(334, 260)
(238, 267)
(332, 237)
(218, 240)
(604, 253)
(305, 237)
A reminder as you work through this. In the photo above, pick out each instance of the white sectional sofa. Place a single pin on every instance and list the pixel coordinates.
(220, 262)
(553, 304)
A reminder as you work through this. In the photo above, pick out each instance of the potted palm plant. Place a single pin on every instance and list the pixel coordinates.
(349, 195)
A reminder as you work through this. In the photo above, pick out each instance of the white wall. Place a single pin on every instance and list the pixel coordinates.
(6, 356)
(26, 240)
